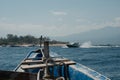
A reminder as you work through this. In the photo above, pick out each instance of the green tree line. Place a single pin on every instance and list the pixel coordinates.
(27, 39)
(14, 39)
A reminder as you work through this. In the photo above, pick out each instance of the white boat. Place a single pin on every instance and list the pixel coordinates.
(73, 45)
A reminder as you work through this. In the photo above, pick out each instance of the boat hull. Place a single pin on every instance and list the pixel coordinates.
(74, 72)
(72, 46)
(81, 72)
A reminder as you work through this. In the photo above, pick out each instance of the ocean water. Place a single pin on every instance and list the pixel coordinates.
(105, 60)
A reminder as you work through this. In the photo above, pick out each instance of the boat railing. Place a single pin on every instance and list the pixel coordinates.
(28, 55)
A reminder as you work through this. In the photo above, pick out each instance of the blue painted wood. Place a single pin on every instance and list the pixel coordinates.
(75, 72)
(77, 75)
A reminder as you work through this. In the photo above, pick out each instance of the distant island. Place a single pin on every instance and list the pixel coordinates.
(27, 40)
(107, 35)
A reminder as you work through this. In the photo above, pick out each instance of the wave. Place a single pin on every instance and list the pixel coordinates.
(64, 47)
(53, 54)
(88, 44)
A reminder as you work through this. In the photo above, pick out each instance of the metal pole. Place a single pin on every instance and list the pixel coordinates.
(41, 41)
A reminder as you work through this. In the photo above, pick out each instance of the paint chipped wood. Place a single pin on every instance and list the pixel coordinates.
(44, 65)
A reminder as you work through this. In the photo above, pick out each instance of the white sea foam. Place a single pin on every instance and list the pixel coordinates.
(64, 47)
(88, 44)
(53, 54)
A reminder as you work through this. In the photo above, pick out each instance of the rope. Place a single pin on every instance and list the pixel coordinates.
(65, 70)
(38, 75)
(47, 72)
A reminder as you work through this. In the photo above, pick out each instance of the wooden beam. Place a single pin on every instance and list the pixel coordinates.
(34, 58)
(44, 65)
(46, 49)
(32, 61)
(41, 61)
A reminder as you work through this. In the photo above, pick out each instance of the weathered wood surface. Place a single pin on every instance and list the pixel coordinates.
(32, 61)
(44, 65)
(41, 61)
(11, 75)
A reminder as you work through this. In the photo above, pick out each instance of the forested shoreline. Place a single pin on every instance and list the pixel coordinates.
(12, 39)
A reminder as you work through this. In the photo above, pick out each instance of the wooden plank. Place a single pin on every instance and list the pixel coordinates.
(42, 57)
(60, 59)
(11, 75)
(40, 61)
(34, 58)
(32, 61)
(44, 65)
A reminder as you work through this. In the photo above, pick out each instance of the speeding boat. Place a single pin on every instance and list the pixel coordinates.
(73, 45)
(39, 65)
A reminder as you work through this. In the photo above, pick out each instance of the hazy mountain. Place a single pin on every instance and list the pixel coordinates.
(108, 35)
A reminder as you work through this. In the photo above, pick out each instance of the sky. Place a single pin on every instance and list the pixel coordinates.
(57, 17)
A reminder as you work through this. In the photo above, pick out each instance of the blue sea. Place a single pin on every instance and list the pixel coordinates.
(105, 60)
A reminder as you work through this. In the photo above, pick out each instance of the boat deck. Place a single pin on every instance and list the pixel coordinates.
(30, 61)
(41, 64)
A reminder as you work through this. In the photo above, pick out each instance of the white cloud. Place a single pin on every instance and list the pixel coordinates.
(87, 25)
(116, 22)
(113, 23)
(58, 13)
(4, 19)
(117, 19)
(80, 20)
(56, 29)
(32, 29)
(60, 19)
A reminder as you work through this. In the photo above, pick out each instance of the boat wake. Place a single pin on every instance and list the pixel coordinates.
(86, 45)
(64, 47)
(53, 54)
(89, 45)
